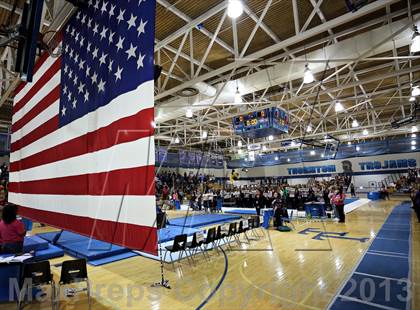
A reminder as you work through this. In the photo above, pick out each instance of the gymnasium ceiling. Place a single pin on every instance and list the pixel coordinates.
(361, 58)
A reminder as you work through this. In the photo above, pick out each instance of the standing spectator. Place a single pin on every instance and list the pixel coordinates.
(417, 203)
(352, 190)
(339, 205)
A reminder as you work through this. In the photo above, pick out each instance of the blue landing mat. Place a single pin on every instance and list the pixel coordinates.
(169, 233)
(112, 259)
(51, 252)
(84, 247)
(350, 200)
(240, 211)
(394, 234)
(34, 243)
(396, 246)
(202, 220)
(376, 290)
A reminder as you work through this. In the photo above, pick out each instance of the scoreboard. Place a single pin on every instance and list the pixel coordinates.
(262, 123)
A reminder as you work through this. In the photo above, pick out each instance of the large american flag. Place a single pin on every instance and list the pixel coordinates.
(82, 154)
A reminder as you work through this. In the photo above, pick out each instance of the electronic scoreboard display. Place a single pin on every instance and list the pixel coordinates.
(262, 123)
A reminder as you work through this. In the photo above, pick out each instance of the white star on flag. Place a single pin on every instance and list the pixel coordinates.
(132, 21)
(141, 27)
(131, 52)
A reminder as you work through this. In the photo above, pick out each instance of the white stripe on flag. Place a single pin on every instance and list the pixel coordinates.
(44, 91)
(138, 210)
(135, 101)
(39, 73)
(37, 121)
(120, 156)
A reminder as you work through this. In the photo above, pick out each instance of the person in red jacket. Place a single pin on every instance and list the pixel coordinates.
(12, 231)
(338, 201)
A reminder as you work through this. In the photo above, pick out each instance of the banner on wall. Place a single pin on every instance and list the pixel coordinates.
(82, 152)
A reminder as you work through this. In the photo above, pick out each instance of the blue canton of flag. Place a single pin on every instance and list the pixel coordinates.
(106, 53)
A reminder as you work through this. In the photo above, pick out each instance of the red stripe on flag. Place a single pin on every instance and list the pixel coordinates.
(56, 66)
(38, 65)
(43, 130)
(49, 99)
(135, 127)
(136, 237)
(133, 181)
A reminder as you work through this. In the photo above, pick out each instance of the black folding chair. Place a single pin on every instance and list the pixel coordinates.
(243, 228)
(252, 228)
(179, 245)
(74, 271)
(195, 244)
(220, 236)
(36, 275)
(210, 238)
(232, 234)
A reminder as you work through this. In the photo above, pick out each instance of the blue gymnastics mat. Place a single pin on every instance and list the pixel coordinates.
(111, 259)
(242, 211)
(51, 252)
(83, 247)
(34, 243)
(350, 200)
(169, 232)
(202, 220)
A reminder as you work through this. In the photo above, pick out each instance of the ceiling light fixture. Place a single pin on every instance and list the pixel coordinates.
(415, 91)
(413, 142)
(358, 148)
(413, 135)
(264, 148)
(235, 8)
(288, 160)
(270, 138)
(276, 158)
(309, 128)
(349, 143)
(238, 97)
(240, 143)
(338, 107)
(308, 77)
(415, 41)
(365, 132)
(412, 99)
(313, 152)
(204, 135)
(413, 147)
(176, 140)
(189, 113)
(414, 129)
(355, 123)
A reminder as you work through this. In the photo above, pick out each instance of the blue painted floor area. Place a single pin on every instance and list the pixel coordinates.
(202, 220)
(169, 232)
(83, 247)
(380, 281)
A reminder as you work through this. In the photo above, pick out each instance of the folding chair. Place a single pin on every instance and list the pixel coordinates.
(38, 274)
(179, 245)
(211, 236)
(288, 220)
(73, 271)
(232, 234)
(243, 227)
(220, 235)
(252, 226)
(195, 244)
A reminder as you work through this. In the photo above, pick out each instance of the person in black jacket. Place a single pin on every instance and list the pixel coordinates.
(260, 201)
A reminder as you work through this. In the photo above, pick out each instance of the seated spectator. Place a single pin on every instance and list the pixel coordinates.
(12, 231)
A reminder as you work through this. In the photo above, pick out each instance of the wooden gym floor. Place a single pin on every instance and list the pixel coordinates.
(281, 271)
